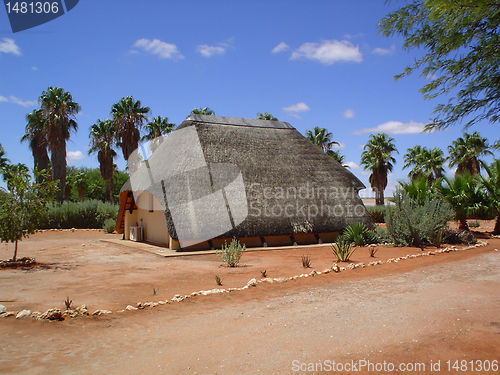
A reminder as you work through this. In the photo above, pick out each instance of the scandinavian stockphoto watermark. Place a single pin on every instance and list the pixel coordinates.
(306, 200)
(24, 15)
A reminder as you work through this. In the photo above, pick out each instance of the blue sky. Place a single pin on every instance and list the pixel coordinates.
(310, 63)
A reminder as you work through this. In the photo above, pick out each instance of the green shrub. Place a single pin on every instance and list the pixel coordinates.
(359, 234)
(377, 213)
(109, 225)
(383, 235)
(90, 214)
(343, 249)
(417, 223)
(231, 253)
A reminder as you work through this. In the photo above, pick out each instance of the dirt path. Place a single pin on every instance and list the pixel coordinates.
(426, 309)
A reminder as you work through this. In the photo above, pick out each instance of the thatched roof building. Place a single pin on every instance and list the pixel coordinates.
(261, 181)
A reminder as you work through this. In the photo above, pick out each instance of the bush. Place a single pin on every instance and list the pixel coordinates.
(457, 237)
(90, 214)
(231, 254)
(377, 213)
(343, 249)
(414, 223)
(383, 235)
(109, 225)
(359, 234)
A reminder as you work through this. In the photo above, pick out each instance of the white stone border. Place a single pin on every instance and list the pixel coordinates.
(81, 311)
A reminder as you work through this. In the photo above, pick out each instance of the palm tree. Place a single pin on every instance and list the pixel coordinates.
(415, 158)
(102, 140)
(464, 195)
(424, 162)
(59, 111)
(128, 117)
(377, 158)
(202, 111)
(266, 116)
(465, 152)
(156, 129)
(492, 186)
(434, 163)
(321, 138)
(3, 160)
(37, 140)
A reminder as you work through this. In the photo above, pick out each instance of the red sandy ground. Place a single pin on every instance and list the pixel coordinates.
(433, 308)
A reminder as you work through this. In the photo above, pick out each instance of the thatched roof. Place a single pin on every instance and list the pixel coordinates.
(268, 176)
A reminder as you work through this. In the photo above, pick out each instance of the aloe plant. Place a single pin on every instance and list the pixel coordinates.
(343, 248)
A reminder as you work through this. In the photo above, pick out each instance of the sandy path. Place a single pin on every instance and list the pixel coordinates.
(427, 309)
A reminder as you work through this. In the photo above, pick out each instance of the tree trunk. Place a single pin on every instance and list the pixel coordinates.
(463, 224)
(109, 190)
(58, 158)
(379, 197)
(14, 257)
(497, 225)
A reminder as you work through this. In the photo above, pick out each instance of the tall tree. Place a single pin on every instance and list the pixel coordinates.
(321, 138)
(266, 116)
(59, 111)
(202, 111)
(377, 157)
(102, 140)
(460, 40)
(424, 162)
(3, 160)
(36, 137)
(465, 153)
(128, 118)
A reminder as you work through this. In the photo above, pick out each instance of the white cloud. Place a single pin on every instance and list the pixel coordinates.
(299, 107)
(159, 48)
(280, 47)
(25, 103)
(208, 51)
(74, 155)
(34, 68)
(431, 77)
(348, 113)
(352, 165)
(3, 99)
(394, 127)
(340, 146)
(8, 45)
(328, 52)
(384, 51)
(361, 147)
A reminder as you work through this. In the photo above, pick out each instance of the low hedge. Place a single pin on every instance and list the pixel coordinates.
(89, 214)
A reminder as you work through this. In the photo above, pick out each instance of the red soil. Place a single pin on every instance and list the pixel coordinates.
(442, 307)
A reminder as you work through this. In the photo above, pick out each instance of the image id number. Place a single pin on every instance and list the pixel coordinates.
(32, 7)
